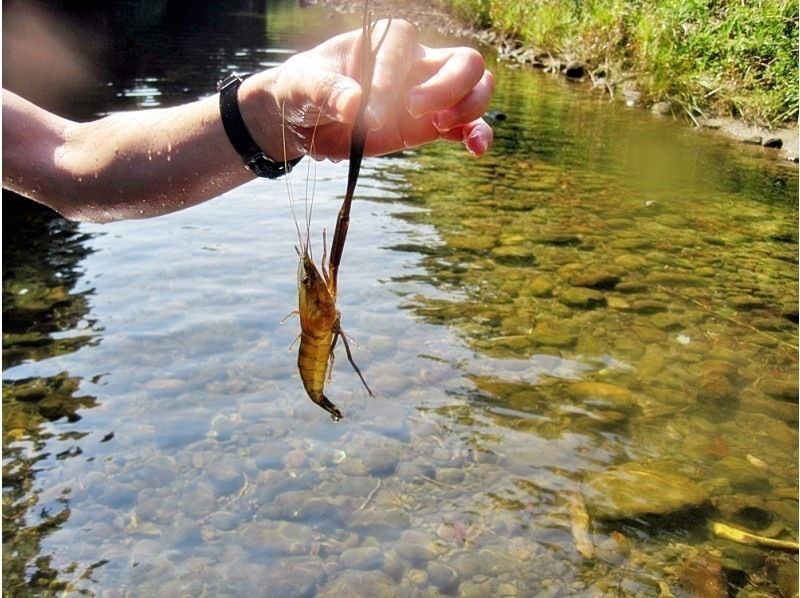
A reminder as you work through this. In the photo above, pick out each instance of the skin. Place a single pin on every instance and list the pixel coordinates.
(152, 162)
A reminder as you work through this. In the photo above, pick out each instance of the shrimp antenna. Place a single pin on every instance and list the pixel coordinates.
(309, 206)
(288, 184)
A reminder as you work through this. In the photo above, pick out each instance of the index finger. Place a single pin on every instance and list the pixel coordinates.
(392, 63)
(456, 71)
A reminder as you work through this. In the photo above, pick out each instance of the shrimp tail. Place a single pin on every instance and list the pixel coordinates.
(326, 404)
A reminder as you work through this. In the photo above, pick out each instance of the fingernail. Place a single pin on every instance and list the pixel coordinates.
(375, 115)
(476, 144)
(444, 120)
(344, 97)
(416, 104)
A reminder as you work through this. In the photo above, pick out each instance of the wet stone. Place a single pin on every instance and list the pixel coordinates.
(633, 490)
(300, 505)
(594, 279)
(666, 321)
(676, 279)
(553, 334)
(541, 286)
(270, 483)
(183, 533)
(559, 240)
(742, 475)
(514, 255)
(450, 475)
(382, 461)
(647, 306)
(226, 474)
(374, 584)
(475, 589)
(786, 390)
(408, 470)
(295, 459)
(175, 432)
(417, 546)
(366, 557)
(745, 302)
(631, 287)
(268, 455)
(224, 520)
(494, 564)
(199, 501)
(278, 538)
(443, 577)
(353, 466)
(603, 394)
(714, 386)
(296, 576)
(379, 521)
(582, 298)
(702, 576)
(222, 427)
(359, 486)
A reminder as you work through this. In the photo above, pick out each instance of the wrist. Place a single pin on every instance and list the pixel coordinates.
(264, 119)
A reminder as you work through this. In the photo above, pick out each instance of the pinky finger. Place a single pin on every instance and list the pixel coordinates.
(476, 136)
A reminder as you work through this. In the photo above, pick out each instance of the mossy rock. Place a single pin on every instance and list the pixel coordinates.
(603, 394)
(634, 490)
(582, 298)
(553, 334)
(594, 278)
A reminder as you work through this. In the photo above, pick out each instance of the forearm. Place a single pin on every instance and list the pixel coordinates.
(128, 165)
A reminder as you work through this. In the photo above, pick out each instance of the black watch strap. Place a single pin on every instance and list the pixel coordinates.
(254, 158)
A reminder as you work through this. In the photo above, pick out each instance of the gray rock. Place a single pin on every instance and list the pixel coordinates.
(226, 474)
(301, 505)
(276, 538)
(374, 584)
(296, 576)
(382, 460)
(443, 577)
(450, 475)
(379, 521)
(661, 108)
(417, 546)
(199, 501)
(362, 557)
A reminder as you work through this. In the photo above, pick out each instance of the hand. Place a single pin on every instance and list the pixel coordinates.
(419, 95)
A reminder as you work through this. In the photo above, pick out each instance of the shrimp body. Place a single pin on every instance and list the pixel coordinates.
(320, 326)
(319, 329)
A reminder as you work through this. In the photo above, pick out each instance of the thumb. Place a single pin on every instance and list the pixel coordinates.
(336, 96)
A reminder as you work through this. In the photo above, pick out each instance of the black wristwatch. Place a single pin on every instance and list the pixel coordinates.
(254, 158)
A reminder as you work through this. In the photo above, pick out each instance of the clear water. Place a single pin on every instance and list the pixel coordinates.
(605, 299)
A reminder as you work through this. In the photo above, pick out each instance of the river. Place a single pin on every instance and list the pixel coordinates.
(583, 348)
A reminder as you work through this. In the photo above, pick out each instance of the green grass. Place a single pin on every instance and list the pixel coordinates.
(708, 56)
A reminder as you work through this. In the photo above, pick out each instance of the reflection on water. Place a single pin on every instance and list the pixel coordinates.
(583, 348)
(44, 315)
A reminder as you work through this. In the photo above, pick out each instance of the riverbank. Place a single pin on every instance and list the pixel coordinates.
(754, 124)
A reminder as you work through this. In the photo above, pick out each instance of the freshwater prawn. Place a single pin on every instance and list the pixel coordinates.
(320, 320)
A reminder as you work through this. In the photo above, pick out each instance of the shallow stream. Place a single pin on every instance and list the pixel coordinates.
(583, 348)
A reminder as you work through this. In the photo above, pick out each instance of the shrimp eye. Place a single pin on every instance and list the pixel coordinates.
(306, 280)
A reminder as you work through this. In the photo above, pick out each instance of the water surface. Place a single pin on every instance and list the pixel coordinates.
(603, 308)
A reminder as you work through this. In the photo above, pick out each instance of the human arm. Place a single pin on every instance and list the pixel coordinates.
(146, 163)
